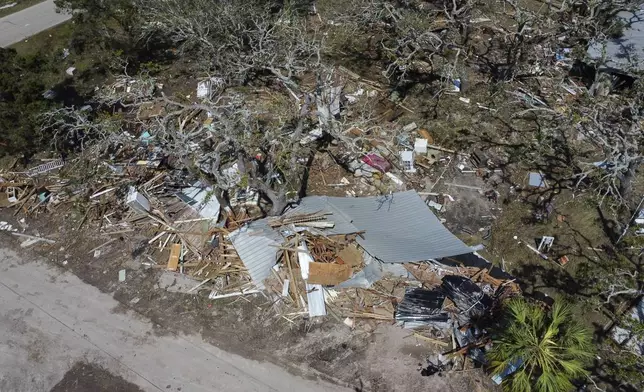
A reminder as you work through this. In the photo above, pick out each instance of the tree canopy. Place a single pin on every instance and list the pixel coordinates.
(21, 100)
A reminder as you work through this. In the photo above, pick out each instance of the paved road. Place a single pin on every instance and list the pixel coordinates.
(50, 320)
(30, 21)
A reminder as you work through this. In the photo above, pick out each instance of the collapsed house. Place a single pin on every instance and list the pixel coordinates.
(361, 260)
(327, 254)
(391, 229)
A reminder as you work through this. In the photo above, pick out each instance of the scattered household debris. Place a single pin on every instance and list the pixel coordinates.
(46, 167)
(545, 244)
(639, 220)
(511, 368)
(537, 180)
(456, 85)
(363, 260)
(421, 308)
(626, 335)
(137, 201)
(33, 238)
(205, 88)
(202, 199)
(6, 226)
(377, 162)
(420, 146)
(8, 6)
(407, 161)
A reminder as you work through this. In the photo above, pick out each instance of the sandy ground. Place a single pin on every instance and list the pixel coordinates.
(51, 321)
(370, 358)
(31, 21)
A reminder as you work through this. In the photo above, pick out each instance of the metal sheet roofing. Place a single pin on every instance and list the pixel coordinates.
(536, 179)
(373, 272)
(256, 244)
(202, 199)
(398, 228)
(315, 300)
(627, 51)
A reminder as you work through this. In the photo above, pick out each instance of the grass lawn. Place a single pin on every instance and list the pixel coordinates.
(20, 5)
(46, 42)
(574, 223)
(51, 43)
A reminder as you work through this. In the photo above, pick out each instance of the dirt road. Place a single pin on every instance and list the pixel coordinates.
(50, 321)
(30, 21)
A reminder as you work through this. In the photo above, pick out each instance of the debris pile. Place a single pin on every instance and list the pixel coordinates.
(360, 260)
(422, 307)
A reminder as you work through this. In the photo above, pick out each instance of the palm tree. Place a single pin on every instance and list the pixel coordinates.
(547, 349)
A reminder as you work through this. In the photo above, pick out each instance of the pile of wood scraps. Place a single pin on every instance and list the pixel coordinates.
(316, 220)
(376, 303)
(431, 275)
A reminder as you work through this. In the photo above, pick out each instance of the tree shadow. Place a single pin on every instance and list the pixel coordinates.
(306, 174)
(533, 278)
(605, 368)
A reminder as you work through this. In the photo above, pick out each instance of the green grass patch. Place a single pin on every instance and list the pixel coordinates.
(21, 5)
(575, 224)
(48, 42)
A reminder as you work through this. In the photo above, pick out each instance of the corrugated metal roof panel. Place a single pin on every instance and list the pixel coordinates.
(398, 228)
(202, 199)
(627, 51)
(314, 204)
(315, 300)
(256, 244)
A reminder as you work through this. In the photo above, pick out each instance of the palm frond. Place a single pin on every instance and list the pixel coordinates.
(553, 347)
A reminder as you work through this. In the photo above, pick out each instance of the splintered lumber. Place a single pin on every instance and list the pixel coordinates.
(212, 295)
(317, 225)
(173, 260)
(199, 285)
(302, 219)
(101, 246)
(32, 237)
(161, 234)
(11, 184)
(370, 315)
(97, 194)
(430, 340)
(328, 274)
(292, 276)
(193, 220)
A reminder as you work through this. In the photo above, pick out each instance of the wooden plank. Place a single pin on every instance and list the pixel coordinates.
(11, 184)
(173, 261)
(293, 284)
(430, 340)
(351, 256)
(328, 274)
